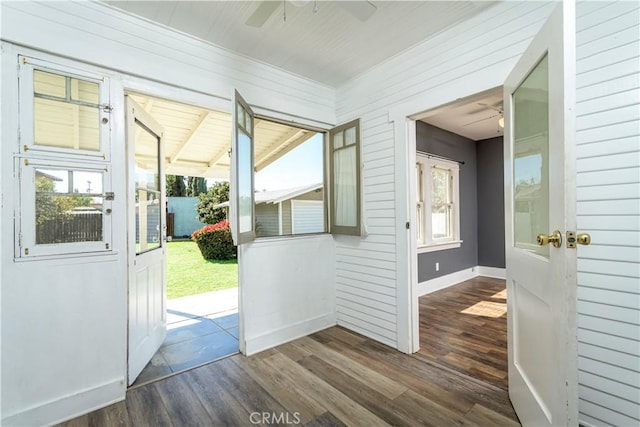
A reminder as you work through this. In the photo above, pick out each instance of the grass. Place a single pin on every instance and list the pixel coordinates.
(190, 274)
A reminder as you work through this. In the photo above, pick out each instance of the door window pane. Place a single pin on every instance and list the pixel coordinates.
(68, 206)
(245, 187)
(531, 159)
(148, 196)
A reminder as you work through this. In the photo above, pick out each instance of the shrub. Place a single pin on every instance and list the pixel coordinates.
(215, 241)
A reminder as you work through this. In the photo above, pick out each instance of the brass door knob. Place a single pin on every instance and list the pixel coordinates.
(583, 239)
(555, 239)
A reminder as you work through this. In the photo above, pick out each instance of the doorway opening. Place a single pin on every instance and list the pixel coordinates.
(458, 255)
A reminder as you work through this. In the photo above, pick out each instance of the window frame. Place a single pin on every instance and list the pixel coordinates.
(355, 230)
(426, 243)
(27, 110)
(30, 157)
(26, 246)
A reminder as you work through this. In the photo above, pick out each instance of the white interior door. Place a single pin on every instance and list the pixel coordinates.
(146, 233)
(539, 199)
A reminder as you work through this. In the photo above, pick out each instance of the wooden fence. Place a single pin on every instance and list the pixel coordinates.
(71, 227)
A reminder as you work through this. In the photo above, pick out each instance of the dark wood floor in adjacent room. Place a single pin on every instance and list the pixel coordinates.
(336, 377)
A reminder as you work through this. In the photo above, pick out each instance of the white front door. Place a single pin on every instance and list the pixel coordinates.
(146, 233)
(539, 207)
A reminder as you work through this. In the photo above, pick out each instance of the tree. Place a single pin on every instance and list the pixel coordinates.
(50, 207)
(196, 185)
(207, 213)
(175, 186)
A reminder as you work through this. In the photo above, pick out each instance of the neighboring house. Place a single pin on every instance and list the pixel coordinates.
(297, 210)
(65, 308)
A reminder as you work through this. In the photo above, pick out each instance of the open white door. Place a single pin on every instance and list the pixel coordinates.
(540, 198)
(241, 200)
(146, 234)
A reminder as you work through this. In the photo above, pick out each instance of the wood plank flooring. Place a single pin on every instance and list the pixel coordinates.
(464, 327)
(331, 378)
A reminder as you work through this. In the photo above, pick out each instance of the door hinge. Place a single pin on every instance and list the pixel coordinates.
(408, 225)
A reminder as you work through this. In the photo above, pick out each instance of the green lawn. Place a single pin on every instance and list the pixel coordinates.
(189, 274)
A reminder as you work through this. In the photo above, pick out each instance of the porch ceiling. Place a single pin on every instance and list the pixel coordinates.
(197, 141)
(331, 46)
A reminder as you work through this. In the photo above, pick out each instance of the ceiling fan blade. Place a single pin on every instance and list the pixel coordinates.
(496, 107)
(262, 13)
(363, 10)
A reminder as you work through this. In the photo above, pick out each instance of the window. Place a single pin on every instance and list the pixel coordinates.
(437, 208)
(63, 168)
(344, 166)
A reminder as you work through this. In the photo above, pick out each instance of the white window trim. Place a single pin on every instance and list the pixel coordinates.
(26, 100)
(438, 245)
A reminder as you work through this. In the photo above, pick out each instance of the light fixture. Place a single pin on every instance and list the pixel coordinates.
(501, 121)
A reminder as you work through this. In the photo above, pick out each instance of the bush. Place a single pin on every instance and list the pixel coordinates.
(215, 241)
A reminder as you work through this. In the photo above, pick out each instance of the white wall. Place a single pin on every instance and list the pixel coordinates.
(476, 55)
(287, 289)
(64, 321)
(608, 191)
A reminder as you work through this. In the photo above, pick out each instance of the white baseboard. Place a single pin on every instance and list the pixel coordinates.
(495, 272)
(445, 281)
(71, 406)
(288, 333)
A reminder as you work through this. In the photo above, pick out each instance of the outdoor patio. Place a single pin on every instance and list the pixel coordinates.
(200, 328)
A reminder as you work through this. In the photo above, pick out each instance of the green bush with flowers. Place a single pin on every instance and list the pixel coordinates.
(215, 241)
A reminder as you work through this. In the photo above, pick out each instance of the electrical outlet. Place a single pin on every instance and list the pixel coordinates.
(437, 266)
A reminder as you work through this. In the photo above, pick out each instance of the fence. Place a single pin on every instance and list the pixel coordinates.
(71, 227)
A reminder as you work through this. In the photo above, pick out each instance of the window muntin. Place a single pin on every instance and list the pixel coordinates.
(344, 168)
(437, 207)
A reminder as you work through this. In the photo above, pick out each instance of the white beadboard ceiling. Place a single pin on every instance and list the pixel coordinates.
(331, 46)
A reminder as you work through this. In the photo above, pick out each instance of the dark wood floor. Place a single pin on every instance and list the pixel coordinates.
(335, 378)
(464, 327)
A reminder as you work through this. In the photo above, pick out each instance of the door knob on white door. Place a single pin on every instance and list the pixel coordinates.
(555, 239)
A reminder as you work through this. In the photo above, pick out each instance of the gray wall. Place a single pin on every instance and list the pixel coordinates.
(185, 221)
(490, 171)
(433, 140)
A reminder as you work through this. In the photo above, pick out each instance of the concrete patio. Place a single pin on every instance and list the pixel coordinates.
(200, 328)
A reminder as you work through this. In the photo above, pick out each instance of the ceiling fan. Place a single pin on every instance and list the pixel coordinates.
(497, 107)
(363, 10)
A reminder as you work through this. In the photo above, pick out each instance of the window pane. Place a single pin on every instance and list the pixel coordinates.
(345, 187)
(337, 140)
(530, 164)
(241, 114)
(245, 189)
(440, 203)
(65, 125)
(350, 136)
(68, 206)
(148, 226)
(49, 84)
(147, 161)
(85, 91)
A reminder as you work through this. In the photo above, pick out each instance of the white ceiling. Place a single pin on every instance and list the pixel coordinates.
(471, 117)
(331, 46)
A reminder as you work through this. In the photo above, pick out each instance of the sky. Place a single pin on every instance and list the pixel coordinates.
(301, 166)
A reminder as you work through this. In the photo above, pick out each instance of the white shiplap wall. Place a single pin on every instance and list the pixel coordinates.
(474, 56)
(608, 193)
(64, 321)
